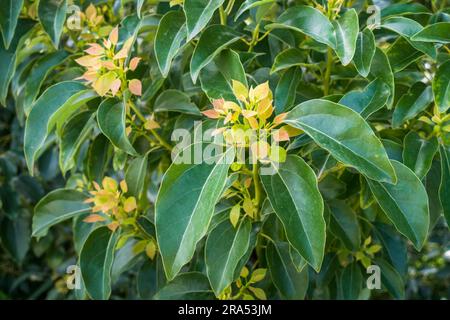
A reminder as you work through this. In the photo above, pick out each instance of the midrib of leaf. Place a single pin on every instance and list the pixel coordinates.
(62, 217)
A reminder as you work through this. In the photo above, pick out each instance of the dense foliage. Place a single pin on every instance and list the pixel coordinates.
(322, 128)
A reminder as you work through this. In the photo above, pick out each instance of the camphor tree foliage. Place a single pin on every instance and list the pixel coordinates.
(347, 166)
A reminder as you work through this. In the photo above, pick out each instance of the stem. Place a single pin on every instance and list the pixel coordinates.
(257, 183)
(229, 7)
(326, 81)
(255, 36)
(153, 132)
(223, 16)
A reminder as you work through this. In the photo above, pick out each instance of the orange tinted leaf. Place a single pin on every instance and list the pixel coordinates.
(135, 87)
(94, 218)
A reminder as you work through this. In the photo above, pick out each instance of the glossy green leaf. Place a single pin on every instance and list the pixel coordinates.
(405, 204)
(391, 279)
(294, 195)
(346, 31)
(213, 40)
(418, 153)
(99, 154)
(186, 286)
(382, 70)
(224, 248)
(169, 38)
(96, 260)
(52, 15)
(250, 4)
(444, 189)
(364, 52)
(345, 134)
(136, 174)
(111, 116)
(394, 245)
(404, 9)
(438, 32)
(344, 224)
(402, 54)
(288, 58)
(286, 90)
(309, 21)
(185, 204)
(290, 283)
(216, 80)
(407, 28)
(371, 99)
(57, 206)
(41, 68)
(56, 104)
(441, 86)
(8, 19)
(350, 282)
(198, 13)
(73, 134)
(412, 103)
(175, 101)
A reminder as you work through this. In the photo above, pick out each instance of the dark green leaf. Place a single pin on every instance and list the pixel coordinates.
(174, 100)
(52, 15)
(8, 19)
(346, 30)
(412, 103)
(294, 195)
(346, 135)
(198, 14)
(57, 206)
(186, 286)
(418, 153)
(405, 204)
(365, 50)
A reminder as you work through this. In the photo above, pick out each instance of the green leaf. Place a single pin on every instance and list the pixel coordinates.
(198, 14)
(405, 204)
(345, 134)
(346, 31)
(411, 104)
(250, 4)
(291, 284)
(96, 260)
(441, 86)
(407, 28)
(136, 174)
(381, 69)
(364, 52)
(99, 154)
(57, 206)
(344, 224)
(55, 105)
(213, 40)
(73, 134)
(15, 236)
(8, 57)
(444, 189)
(150, 278)
(224, 248)
(111, 118)
(175, 101)
(418, 153)
(215, 80)
(391, 279)
(8, 19)
(350, 282)
(309, 21)
(394, 245)
(169, 38)
(185, 203)
(294, 195)
(52, 15)
(404, 9)
(288, 58)
(371, 99)
(286, 90)
(186, 286)
(39, 72)
(401, 54)
(438, 32)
